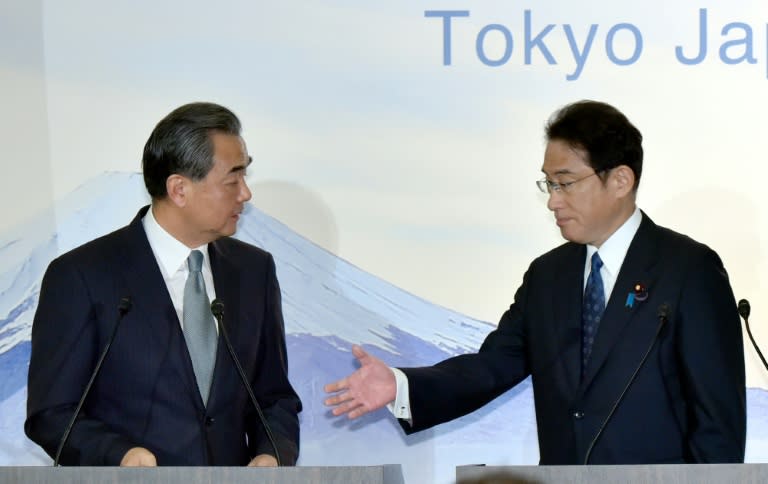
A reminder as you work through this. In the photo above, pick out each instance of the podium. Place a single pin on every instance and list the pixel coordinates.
(651, 474)
(384, 474)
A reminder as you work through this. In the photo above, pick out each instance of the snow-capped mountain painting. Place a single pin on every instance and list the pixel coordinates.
(329, 304)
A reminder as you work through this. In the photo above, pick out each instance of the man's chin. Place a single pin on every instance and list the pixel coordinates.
(228, 231)
(571, 236)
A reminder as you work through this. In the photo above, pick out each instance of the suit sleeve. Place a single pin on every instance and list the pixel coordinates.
(64, 353)
(464, 383)
(280, 403)
(711, 354)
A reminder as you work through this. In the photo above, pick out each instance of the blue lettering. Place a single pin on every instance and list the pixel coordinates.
(638, 44)
(746, 42)
(537, 41)
(446, 15)
(702, 43)
(507, 45)
(579, 57)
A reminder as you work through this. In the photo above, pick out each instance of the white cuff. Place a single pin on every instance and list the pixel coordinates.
(401, 406)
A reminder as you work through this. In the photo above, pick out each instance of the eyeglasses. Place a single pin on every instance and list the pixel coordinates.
(547, 186)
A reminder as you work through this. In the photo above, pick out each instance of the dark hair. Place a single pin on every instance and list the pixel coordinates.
(603, 132)
(181, 144)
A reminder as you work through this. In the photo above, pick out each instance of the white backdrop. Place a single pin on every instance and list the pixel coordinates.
(370, 142)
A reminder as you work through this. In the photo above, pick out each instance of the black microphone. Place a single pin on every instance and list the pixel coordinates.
(122, 309)
(744, 310)
(217, 308)
(663, 315)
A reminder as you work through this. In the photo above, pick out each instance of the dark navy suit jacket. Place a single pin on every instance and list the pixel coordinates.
(146, 394)
(687, 402)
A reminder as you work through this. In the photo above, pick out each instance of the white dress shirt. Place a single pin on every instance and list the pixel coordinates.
(612, 253)
(171, 256)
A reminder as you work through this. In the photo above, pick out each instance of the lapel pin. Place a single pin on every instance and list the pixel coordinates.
(638, 293)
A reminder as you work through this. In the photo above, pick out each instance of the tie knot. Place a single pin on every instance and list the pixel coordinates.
(195, 261)
(597, 262)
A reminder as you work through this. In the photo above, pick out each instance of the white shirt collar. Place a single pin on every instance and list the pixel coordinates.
(170, 253)
(614, 250)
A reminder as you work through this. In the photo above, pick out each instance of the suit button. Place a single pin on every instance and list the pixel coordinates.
(209, 421)
(578, 415)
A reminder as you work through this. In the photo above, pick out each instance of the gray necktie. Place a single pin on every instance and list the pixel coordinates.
(199, 330)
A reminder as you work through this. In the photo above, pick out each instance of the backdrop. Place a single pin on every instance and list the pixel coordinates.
(396, 146)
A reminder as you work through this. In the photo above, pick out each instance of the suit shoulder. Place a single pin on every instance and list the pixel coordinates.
(682, 245)
(97, 248)
(559, 254)
(237, 248)
(678, 252)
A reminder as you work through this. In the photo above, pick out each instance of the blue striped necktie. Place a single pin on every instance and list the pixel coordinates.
(591, 311)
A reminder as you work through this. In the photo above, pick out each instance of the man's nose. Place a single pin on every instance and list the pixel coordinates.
(245, 192)
(555, 200)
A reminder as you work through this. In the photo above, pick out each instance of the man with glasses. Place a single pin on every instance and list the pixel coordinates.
(629, 330)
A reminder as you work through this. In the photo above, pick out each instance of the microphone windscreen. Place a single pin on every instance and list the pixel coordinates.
(217, 308)
(744, 308)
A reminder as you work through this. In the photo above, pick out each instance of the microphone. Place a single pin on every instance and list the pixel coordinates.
(217, 308)
(122, 309)
(663, 315)
(744, 310)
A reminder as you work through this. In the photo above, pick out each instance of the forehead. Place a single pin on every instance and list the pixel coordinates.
(562, 158)
(229, 154)
(228, 146)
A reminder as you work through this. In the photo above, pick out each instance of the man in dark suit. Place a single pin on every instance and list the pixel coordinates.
(656, 375)
(168, 392)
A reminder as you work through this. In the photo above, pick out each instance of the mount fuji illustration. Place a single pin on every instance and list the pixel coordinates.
(328, 304)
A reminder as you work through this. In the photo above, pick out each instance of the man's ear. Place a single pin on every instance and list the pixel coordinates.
(177, 187)
(623, 180)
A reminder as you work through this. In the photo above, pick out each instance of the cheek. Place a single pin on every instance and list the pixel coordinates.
(586, 210)
(230, 193)
(219, 199)
(597, 210)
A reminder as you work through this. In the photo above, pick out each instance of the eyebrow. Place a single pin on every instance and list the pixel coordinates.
(559, 172)
(238, 168)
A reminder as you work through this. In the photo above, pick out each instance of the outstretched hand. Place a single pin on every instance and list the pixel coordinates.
(368, 388)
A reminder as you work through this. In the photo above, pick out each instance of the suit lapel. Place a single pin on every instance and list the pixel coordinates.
(226, 280)
(151, 299)
(566, 296)
(638, 267)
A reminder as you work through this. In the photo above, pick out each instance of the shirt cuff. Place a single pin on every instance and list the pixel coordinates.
(401, 406)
